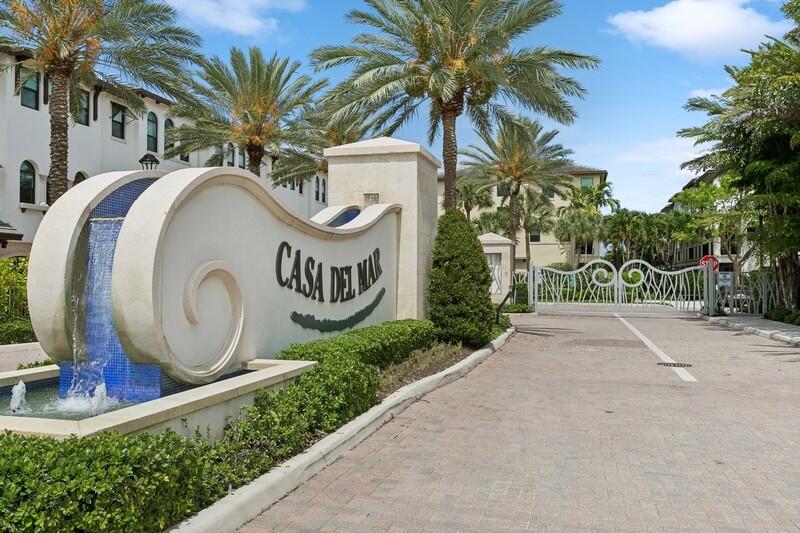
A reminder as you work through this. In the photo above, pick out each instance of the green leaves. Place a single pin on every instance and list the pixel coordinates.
(129, 483)
(460, 306)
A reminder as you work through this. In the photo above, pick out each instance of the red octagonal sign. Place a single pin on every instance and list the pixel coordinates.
(710, 259)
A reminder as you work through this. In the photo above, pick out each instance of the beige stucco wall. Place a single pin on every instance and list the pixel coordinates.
(398, 172)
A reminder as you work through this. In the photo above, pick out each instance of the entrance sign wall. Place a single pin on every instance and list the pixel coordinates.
(636, 288)
(209, 270)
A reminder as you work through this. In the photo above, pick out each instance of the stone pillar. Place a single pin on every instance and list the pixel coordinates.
(386, 170)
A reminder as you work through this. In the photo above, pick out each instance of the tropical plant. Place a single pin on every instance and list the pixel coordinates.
(520, 157)
(253, 103)
(471, 195)
(82, 44)
(536, 213)
(577, 227)
(592, 198)
(492, 221)
(313, 132)
(457, 57)
(752, 133)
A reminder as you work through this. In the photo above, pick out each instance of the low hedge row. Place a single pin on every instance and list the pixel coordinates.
(113, 482)
(16, 331)
(784, 315)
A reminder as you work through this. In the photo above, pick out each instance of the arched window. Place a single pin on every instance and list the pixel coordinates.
(324, 191)
(316, 189)
(241, 157)
(169, 144)
(79, 177)
(230, 157)
(27, 183)
(152, 132)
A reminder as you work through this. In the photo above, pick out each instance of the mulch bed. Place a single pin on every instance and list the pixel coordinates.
(420, 365)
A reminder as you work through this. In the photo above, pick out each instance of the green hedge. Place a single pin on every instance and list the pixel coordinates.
(113, 482)
(784, 315)
(460, 305)
(16, 331)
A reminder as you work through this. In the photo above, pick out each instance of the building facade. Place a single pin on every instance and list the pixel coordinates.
(545, 249)
(105, 137)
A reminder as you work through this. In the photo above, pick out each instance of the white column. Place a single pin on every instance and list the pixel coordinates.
(393, 171)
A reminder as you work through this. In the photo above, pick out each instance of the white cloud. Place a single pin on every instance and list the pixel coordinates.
(241, 17)
(645, 174)
(707, 93)
(699, 29)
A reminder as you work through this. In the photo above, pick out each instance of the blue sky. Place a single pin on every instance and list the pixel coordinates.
(655, 54)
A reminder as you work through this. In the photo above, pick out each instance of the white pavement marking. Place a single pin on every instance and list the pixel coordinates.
(682, 372)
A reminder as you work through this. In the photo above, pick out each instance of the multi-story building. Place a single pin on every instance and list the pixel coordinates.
(105, 137)
(690, 253)
(546, 249)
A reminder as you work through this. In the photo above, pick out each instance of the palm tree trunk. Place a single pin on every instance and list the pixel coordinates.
(527, 230)
(450, 156)
(59, 135)
(255, 154)
(467, 212)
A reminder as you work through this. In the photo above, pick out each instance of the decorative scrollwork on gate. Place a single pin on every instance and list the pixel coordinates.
(637, 286)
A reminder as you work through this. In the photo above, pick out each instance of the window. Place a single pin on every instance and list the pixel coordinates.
(230, 157)
(550, 194)
(241, 157)
(169, 144)
(587, 182)
(316, 189)
(324, 191)
(118, 113)
(291, 186)
(586, 248)
(79, 177)
(152, 132)
(83, 108)
(300, 186)
(27, 183)
(29, 92)
(502, 191)
(535, 235)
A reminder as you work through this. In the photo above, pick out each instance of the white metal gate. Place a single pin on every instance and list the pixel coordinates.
(636, 288)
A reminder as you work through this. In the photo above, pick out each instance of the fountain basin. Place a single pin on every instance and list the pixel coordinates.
(207, 407)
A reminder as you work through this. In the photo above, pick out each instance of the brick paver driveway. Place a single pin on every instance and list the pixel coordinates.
(574, 427)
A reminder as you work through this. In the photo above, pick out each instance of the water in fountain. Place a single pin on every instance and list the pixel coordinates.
(17, 404)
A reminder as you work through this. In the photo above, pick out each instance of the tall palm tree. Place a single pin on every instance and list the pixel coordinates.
(113, 43)
(535, 213)
(313, 132)
(252, 103)
(471, 195)
(520, 157)
(491, 221)
(456, 56)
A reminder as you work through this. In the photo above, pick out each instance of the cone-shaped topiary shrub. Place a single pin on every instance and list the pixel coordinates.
(460, 306)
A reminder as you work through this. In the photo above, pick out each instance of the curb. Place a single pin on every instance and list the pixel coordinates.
(247, 502)
(772, 335)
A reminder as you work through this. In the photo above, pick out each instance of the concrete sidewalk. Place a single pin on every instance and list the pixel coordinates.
(573, 426)
(760, 326)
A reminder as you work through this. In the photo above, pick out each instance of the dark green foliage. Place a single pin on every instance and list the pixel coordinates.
(460, 306)
(380, 345)
(784, 315)
(517, 308)
(35, 364)
(521, 293)
(16, 331)
(13, 289)
(129, 483)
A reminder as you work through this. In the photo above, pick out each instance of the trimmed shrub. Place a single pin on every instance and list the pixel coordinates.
(460, 306)
(380, 345)
(16, 331)
(521, 293)
(517, 308)
(113, 482)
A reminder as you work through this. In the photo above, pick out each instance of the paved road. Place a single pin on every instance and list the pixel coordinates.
(574, 427)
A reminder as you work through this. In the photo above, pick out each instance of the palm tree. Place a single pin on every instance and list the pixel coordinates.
(592, 198)
(520, 157)
(535, 213)
(456, 56)
(471, 194)
(112, 43)
(252, 103)
(314, 132)
(577, 226)
(491, 221)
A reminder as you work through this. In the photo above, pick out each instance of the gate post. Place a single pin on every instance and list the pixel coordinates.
(710, 292)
